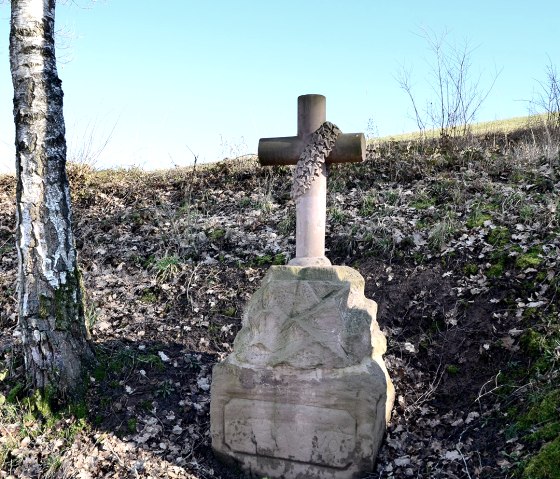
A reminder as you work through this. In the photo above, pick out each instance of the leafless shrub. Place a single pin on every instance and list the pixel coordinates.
(88, 147)
(530, 153)
(457, 93)
(546, 99)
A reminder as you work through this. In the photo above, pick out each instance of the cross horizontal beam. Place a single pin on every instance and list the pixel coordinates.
(350, 148)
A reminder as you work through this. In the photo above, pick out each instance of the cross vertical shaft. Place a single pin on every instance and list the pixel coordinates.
(311, 207)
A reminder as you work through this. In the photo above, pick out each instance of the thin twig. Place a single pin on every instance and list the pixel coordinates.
(465, 461)
(189, 299)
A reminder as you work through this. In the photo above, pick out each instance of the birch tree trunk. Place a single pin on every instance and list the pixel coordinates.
(51, 310)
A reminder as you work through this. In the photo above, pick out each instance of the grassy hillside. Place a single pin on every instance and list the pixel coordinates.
(490, 129)
(459, 245)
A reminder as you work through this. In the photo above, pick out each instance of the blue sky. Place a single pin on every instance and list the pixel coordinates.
(209, 77)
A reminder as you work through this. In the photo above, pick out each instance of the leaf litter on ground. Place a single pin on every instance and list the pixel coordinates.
(460, 254)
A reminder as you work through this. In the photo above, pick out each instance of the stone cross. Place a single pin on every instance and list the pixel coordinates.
(311, 206)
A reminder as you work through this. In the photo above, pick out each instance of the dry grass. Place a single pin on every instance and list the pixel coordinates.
(487, 128)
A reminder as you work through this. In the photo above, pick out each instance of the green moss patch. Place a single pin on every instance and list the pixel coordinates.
(499, 236)
(217, 234)
(543, 418)
(477, 219)
(531, 259)
(452, 369)
(496, 270)
(423, 203)
(546, 463)
(66, 304)
(532, 342)
(470, 269)
(267, 259)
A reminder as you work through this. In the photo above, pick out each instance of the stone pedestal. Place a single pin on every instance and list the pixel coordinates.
(305, 393)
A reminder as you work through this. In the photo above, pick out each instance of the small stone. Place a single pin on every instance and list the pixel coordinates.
(471, 417)
(402, 461)
(452, 455)
(409, 347)
(203, 383)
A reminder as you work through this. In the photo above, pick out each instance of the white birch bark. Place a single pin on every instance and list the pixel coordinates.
(51, 312)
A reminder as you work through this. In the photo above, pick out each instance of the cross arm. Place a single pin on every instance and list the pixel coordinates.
(349, 148)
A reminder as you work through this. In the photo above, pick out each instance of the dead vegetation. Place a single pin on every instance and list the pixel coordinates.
(458, 242)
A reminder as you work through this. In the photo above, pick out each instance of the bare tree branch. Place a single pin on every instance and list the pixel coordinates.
(457, 97)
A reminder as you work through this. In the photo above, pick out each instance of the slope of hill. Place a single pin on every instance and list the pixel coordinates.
(500, 128)
(459, 245)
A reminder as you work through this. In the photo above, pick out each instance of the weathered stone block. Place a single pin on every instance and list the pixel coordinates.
(305, 394)
(274, 429)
